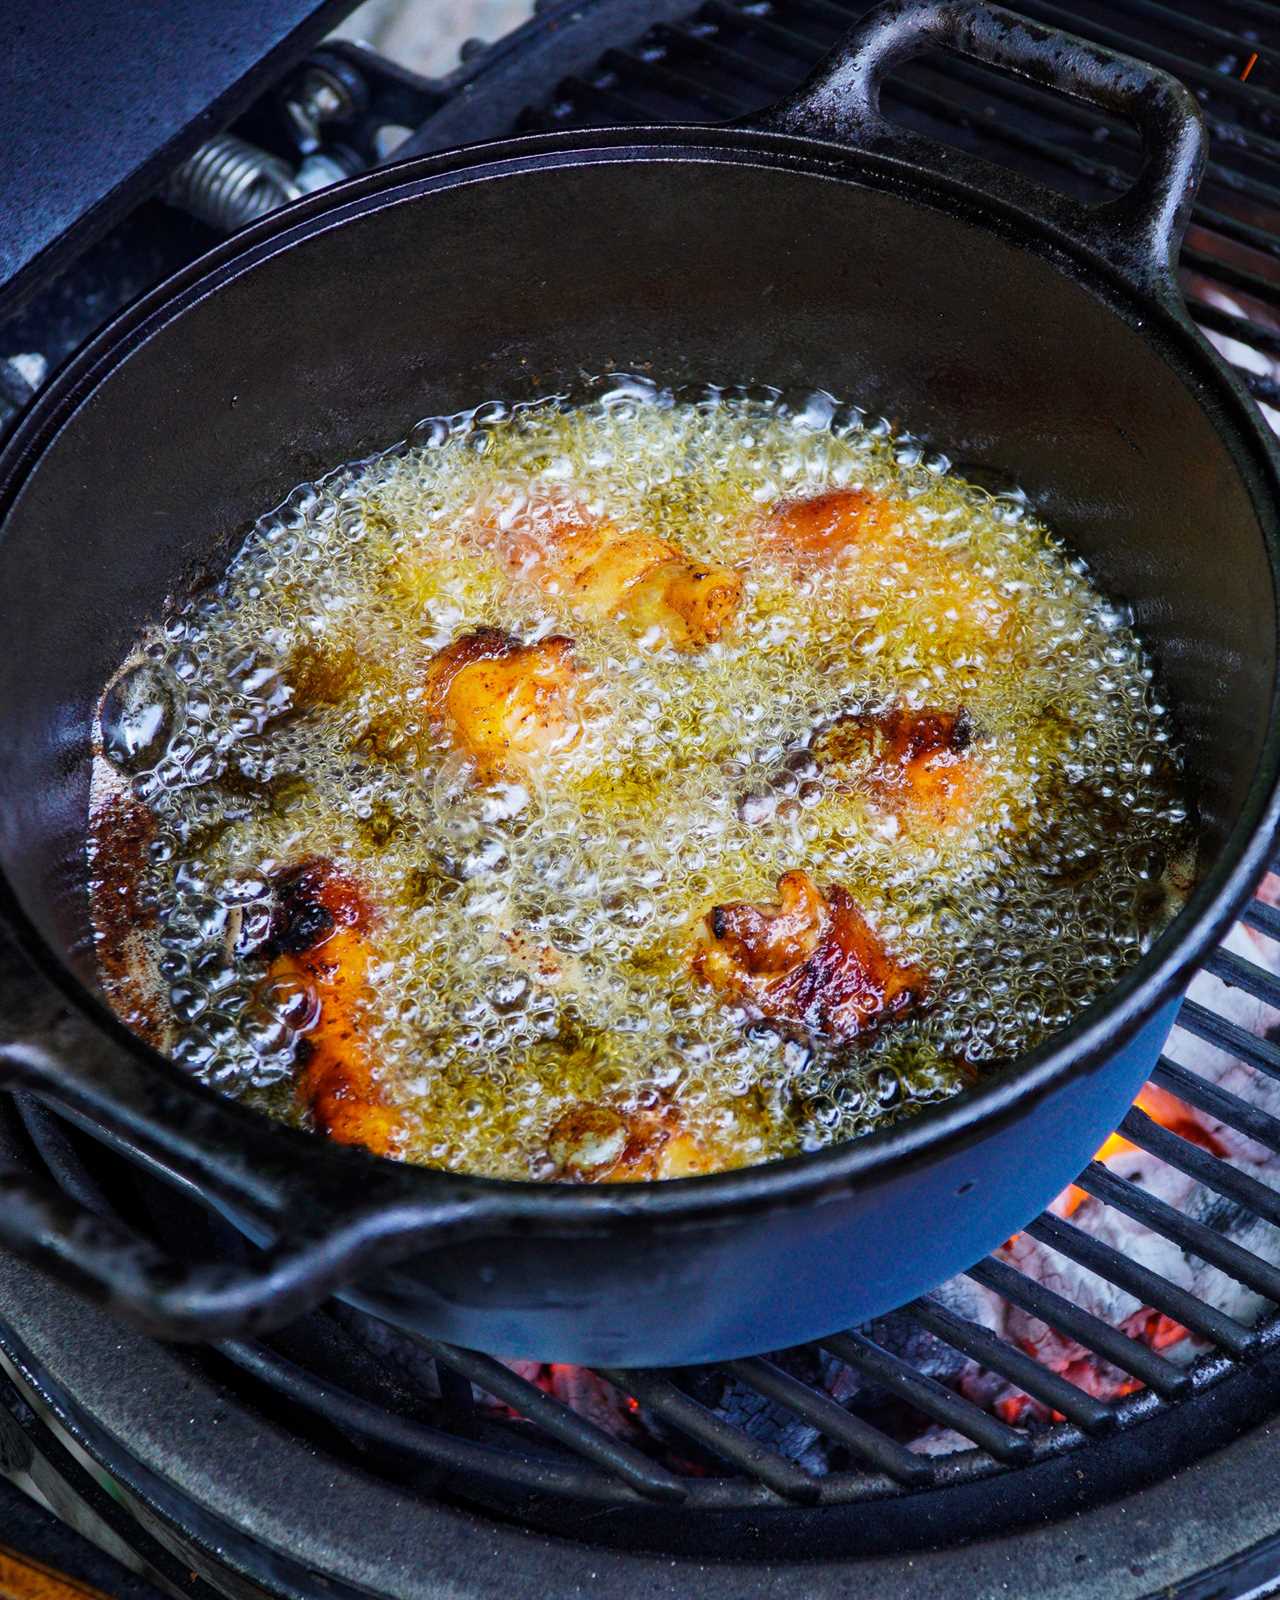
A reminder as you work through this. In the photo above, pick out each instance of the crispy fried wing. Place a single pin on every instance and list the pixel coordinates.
(321, 939)
(822, 530)
(599, 1144)
(807, 958)
(635, 578)
(505, 704)
(917, 764)
(955, 608)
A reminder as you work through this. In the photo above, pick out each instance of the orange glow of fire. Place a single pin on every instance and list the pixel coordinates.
(1161, 1107)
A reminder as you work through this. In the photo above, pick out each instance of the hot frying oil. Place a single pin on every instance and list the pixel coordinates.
(530, 946)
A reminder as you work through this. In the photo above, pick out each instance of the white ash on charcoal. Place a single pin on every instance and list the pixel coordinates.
(1236, 351)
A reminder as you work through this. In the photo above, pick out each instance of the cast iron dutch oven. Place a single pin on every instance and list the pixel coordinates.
(815, 245)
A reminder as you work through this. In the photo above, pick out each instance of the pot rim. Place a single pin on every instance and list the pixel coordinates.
(1014, 1086)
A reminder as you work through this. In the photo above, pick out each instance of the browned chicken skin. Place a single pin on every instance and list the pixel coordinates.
(599, 1144)
(822, 530)
(635, 578)
(956, 606)
(807, 958)
(505, 704)
(321, 939)
(916, 763)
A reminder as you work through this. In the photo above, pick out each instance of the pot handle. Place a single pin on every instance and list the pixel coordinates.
(335, 1214)
(1138, 232)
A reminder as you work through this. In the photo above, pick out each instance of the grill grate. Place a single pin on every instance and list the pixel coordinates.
(416, 1415)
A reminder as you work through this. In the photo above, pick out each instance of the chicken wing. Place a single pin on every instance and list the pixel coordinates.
(807, 958)
(507, 705)
(953, 607)
(321, 940)
(917, 764)
(599, 1144)
(822, 530)
(645, 582)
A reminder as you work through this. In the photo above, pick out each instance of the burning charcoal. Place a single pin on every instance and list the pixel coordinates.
(590, 1396)
(1221, 1068)
(772, 1425)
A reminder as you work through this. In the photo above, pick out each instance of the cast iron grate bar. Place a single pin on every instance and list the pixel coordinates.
(1236, 277)
(857, 1436)
(556, 1419)
(405, 1437)
(1218, 1103)
(1230, 1036)
(1146, 1286)
(681, 1412)
(711, 50)
(1134, 44)
(1261, 338)
(1067, 115)
(1130, 1355)
(944, 107)
(1021, 1370)
(1263, 389)
(1238, 973)
(931, 1398)
(670, 67)
(615, 105)
(1198, 1163)
(1259, 915)
(1088, 27)
(1193, 27)
(675, 84)
(1195, 1237)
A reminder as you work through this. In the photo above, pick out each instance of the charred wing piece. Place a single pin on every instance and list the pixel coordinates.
(633, 578)
(599, 1144)
(321, 940)
(807, 958)
(505, 704)
(824, 529)
(769, 941)
(915, 762)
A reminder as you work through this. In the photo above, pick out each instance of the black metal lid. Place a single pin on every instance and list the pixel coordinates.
(100, 98)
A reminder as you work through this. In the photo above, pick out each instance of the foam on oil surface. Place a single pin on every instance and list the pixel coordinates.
(279, 716)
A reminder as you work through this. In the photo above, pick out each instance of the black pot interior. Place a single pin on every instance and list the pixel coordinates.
(697, 270)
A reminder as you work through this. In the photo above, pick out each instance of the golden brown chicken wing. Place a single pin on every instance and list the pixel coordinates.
(599, 1144)
(953, 607)
(505, 704)
(635, 578)
(807, 958)
(917, 764)
(321, 939)
(822, 530)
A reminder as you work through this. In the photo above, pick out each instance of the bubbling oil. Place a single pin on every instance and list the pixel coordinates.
(532, 934)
